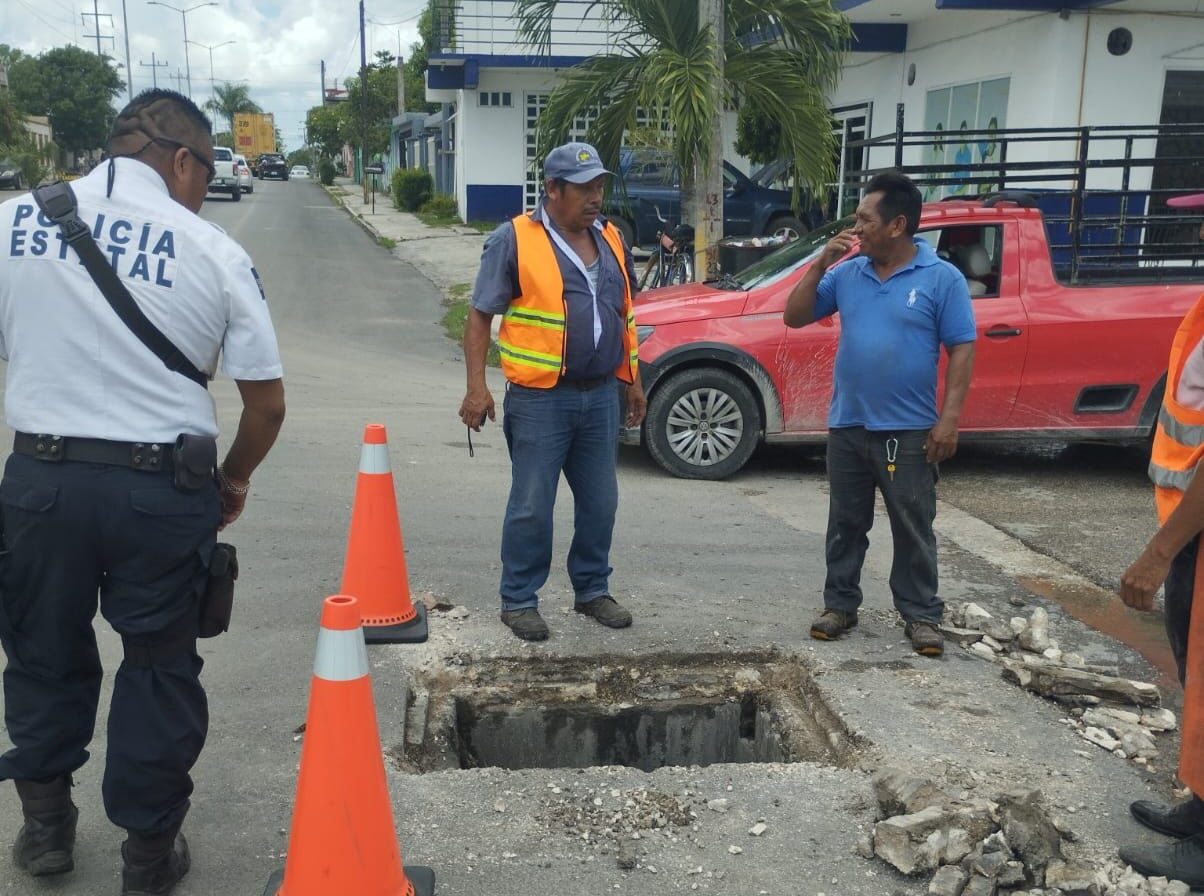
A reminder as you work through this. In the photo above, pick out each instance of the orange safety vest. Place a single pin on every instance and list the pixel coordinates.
(1177, 450)
(532, 336)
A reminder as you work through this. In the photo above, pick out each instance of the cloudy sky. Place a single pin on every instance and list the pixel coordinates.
(277, 51)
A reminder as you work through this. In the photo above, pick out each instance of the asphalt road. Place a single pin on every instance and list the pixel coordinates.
(706, 567)
(1090, 506)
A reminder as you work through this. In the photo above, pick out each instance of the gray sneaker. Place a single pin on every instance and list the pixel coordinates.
(832, 624)
(526, 624)
(926, 638)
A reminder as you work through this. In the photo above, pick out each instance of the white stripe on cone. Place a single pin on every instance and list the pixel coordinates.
(342, 655)
(374, 458)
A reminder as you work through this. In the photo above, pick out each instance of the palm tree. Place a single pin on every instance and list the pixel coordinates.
(781, 57)
(230, 99)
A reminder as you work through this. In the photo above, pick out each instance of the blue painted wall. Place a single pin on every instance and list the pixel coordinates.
(493, 202)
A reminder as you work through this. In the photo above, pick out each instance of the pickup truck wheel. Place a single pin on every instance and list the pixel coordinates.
(702, 424)
(236, 194)
(788, 226)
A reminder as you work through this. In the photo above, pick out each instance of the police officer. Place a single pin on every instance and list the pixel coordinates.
(94, 500)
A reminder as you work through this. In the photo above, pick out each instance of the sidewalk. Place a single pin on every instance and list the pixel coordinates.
(447, 256)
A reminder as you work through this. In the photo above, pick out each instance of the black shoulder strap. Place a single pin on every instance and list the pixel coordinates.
(57, 202)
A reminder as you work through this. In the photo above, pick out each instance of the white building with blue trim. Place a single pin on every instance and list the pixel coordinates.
(929, 65)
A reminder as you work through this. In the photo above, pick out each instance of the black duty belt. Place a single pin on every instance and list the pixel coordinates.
(149, 456)
(592, 382)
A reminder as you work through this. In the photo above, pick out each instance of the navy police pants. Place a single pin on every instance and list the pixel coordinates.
(75, 531)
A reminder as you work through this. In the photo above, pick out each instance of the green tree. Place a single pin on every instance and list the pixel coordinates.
(381, 102)
(301, 157)
(781, 58)
(12, 120)
(322, 128)
(72, 86)
(415, 67)
(230, 99)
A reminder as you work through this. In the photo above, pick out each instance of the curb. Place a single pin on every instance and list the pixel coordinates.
(358, 219)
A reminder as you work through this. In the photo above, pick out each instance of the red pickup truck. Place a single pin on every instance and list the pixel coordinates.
(1055, 361)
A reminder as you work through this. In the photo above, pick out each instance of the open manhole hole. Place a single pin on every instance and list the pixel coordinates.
(652, 712)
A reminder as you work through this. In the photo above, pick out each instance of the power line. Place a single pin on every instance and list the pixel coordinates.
(38, 15)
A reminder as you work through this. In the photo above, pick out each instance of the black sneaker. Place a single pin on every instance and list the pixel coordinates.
(832, 624)
(526, 624)
(1179, 820)
(1179, 860)
(44, 844)
(157, 877)
(606, 610)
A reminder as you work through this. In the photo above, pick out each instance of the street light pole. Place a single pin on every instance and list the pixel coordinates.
(184, 17)
(211, 48)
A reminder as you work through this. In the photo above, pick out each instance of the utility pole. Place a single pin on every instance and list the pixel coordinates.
(154, 66)
(363, 106)
(184, 18)
(96, 15)
(129, 73)
(180, 78)
(401, 86)
(323, 82)
(708, 182)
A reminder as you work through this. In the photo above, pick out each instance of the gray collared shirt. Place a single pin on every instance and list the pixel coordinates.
(497, 286)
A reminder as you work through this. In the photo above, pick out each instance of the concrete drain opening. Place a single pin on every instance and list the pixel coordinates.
(648, 713)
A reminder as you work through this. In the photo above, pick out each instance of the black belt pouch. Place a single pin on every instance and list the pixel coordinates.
(194, 461)
(217, 603)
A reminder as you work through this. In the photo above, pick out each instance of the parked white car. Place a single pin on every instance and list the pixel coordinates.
(245, 182)
(299, 171)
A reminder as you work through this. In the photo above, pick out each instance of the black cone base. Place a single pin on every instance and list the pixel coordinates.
(412, 632)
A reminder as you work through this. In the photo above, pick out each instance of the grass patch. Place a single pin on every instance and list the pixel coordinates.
(483, 226)
(386, 242)
(438, 219)
(456, 316)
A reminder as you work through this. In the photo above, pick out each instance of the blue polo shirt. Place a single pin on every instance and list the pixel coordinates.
(584, 357)
(891, 336)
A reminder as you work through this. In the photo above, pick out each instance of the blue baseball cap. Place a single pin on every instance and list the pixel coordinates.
(578, 163)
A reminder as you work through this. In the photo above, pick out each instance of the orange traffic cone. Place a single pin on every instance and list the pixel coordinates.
(342, 840)
(375, 569)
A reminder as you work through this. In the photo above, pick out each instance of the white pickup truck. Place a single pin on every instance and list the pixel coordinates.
(226, 178)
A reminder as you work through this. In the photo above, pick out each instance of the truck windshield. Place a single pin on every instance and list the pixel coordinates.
(790, 257)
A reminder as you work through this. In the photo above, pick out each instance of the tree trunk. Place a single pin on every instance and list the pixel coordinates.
(707, 199)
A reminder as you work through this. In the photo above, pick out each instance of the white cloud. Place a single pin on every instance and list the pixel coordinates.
(277, 51)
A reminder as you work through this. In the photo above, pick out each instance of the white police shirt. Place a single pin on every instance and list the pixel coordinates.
(74, 369)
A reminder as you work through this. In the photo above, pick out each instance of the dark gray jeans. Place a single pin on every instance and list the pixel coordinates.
(856, 467)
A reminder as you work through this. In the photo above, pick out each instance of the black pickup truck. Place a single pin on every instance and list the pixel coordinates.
(273, 165)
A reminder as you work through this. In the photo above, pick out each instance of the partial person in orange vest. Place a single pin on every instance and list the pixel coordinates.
(563, 281)
(1171, 557)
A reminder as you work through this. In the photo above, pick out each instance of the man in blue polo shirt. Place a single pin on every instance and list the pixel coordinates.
(898, 303)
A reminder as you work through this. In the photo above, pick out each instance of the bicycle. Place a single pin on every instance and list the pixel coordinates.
(672, 261)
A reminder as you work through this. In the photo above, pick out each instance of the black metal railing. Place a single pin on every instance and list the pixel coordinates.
(1102, 190)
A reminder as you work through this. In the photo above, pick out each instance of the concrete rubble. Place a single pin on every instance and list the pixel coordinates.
(1114, 713)
(1008, 845)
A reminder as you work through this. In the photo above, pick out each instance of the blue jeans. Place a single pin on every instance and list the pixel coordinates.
(549, 431)
(856, 467)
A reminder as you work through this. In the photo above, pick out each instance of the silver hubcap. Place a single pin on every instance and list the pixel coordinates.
(789, 232)
(705, 426)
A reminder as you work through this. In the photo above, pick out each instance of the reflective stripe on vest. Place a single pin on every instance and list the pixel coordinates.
(532, 339)
(1179, 438)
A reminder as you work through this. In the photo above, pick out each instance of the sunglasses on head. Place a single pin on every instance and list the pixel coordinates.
(208, 165)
